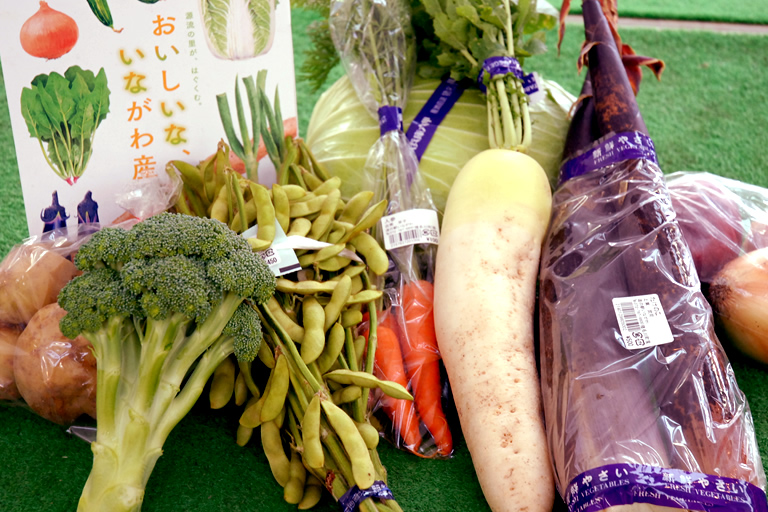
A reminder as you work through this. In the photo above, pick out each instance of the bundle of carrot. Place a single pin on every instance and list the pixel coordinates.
(641, 405)
(375, 42)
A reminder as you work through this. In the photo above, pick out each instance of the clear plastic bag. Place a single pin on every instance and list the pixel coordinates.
(721, 218)
(641, 403)
(376, 46)
(39, 367)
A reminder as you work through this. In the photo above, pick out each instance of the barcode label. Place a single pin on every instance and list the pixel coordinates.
(411, 227)
(642, 321)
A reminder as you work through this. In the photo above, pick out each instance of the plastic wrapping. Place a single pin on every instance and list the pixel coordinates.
(721, 218)
(39, 368)
(376, 45)
(640, 400)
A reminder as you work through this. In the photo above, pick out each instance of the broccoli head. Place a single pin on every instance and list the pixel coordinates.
(163, 303)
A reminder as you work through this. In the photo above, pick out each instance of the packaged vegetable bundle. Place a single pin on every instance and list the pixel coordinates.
(39, 368)
(721, 218)
(641, 404)
(376, 45)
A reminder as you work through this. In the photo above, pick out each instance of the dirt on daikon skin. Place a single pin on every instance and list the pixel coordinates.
(486, 341)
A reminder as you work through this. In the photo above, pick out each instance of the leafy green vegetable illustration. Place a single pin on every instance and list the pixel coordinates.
(63, 112)
(238, 29)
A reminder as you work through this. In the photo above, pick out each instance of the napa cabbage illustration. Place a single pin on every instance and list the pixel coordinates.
(238, 29)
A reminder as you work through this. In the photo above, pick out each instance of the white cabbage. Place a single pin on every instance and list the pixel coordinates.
(238, 29)
(341, 133)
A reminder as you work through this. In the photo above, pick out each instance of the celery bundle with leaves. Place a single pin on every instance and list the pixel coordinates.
(487, 42)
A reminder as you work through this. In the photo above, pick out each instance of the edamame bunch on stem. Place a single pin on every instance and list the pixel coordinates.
(306, 394)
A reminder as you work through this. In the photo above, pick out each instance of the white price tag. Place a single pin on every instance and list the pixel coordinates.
(411, 227)
(280, 257)
(642, 321)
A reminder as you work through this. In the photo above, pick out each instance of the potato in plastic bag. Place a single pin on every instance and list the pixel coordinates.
(55, 376)
(31, 276)
(8, 336)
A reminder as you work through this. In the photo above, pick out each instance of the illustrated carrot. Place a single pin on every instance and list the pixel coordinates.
(422, 360)
(389, 366)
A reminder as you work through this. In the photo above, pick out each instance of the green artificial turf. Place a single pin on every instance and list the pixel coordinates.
(743, 11)
(707, 114)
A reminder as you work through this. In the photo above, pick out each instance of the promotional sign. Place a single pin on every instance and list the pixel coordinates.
(103, 95)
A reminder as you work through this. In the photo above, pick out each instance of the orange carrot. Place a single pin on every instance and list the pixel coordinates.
(389, 366)
(422, 361)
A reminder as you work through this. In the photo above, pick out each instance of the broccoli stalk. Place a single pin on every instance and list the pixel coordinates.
(163, 305)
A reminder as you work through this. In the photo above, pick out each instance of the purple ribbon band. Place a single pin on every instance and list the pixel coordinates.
(351, 499)
(390, 119)
(434, 111)
(624, 484)
(610, 150)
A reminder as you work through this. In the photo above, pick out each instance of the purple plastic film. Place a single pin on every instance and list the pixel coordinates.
(625, 484)
(390, 118)
(610, 150)
(434, 111)
(351, 499)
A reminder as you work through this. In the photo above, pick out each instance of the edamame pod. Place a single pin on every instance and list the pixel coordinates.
(190, 175)
(257, 244)
(310, 427)
(277, 390)
(369, 219)
(333, 347)
(374, 255)
(369, 433)
(333, 264)
(366, 380)
(322, 224)
(219, 208)
(294, 330)
(293, 491)
(241, 389)
(275, 453)
(299, 227)
(243, 435)
(294, 192)
(328, 186)
(282, 206)
(306, 287)
(266, 356)
(312, 181)
(351, 317)
(363, 470)
(314, 329)
(222, 384)
(364, 296)
(252, 412)
(356, 206)
(346, 394)
(265, 212)
(313, 492)
(308, 207)
(339, 298)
